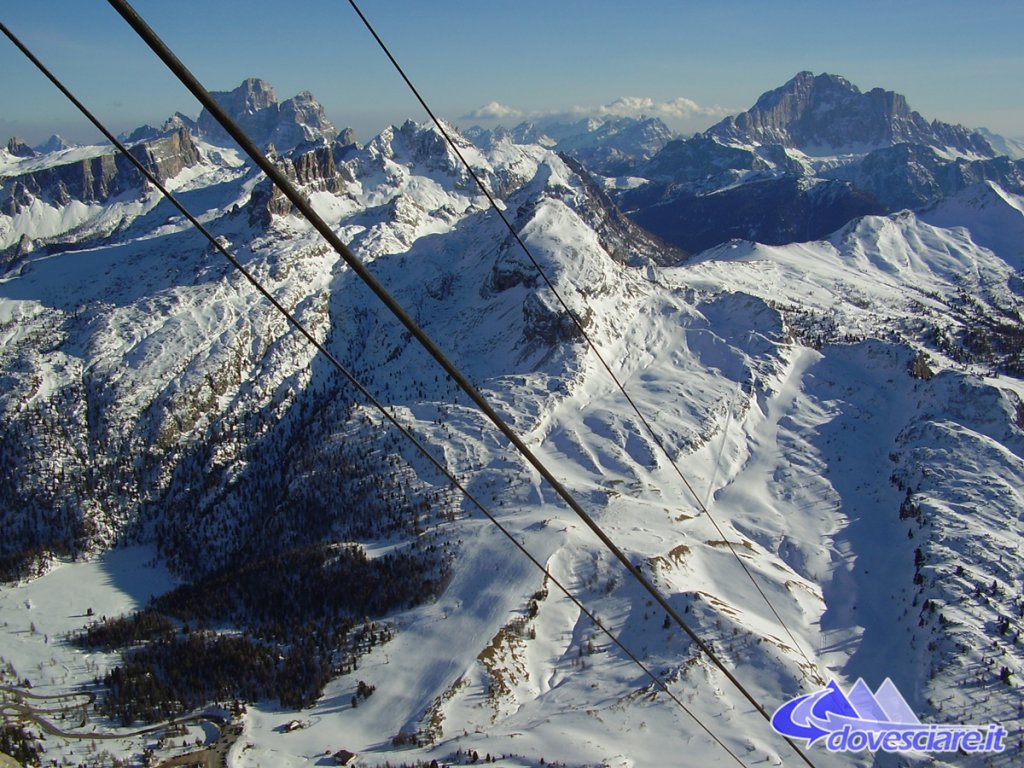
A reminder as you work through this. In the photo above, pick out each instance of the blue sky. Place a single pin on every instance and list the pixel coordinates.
(691, 61)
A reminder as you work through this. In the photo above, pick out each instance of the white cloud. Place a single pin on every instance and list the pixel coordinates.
(679, 113)
(494, 110)
(680, 108)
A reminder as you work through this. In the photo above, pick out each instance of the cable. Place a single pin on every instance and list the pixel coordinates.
(136, 22)
(579, 326)
(404, 431)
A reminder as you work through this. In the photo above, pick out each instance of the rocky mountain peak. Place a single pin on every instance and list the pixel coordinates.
(804, 88)
(251, 96)
(17, 147)
(55, 143)
(149, 399)
(827, 114)
(254, 106)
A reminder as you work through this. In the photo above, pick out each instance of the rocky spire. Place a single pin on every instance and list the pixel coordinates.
(254, 106)
(17, 147)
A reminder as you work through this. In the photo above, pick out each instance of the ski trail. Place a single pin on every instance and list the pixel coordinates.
(718, 457)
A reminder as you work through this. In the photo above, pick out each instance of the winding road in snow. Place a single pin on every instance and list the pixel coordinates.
(213, 754)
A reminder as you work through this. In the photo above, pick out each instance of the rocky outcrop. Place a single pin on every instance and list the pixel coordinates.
(345, 142)
(254, 106)
(549, 323)
(17, 147)
(93, 180)
(97, 179)
(827, 113)
(11, 256)
(301, 118)
(168, 156)
(315, 169)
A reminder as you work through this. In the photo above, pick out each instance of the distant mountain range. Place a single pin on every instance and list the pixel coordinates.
(808, 157)
(805, 159)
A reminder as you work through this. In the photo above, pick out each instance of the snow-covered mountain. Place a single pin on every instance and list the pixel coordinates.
(805, 159)
(611, 146)
(828, 115)
(850, 407)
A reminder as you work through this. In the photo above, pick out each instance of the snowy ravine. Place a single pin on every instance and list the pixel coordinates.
(844, 407)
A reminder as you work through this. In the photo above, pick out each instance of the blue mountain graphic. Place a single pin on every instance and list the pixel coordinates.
(789, 720)
(867, 706)
(894, 705)
(797, 718)
(833, 702)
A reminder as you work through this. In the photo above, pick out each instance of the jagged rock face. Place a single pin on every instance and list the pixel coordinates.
(404, 212)
(302, 116)
(97, 179)
(17, 147)
(317, 166)
(168, 156)
(254, 106)
(157, 400)
(545, 322)
(813, 113)
(178, 121)
(314, 169)
(743, 179)
(346, 138)
(15, 197)
(90, 181)
(11, 255)
(426, 146)
(250, 98)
